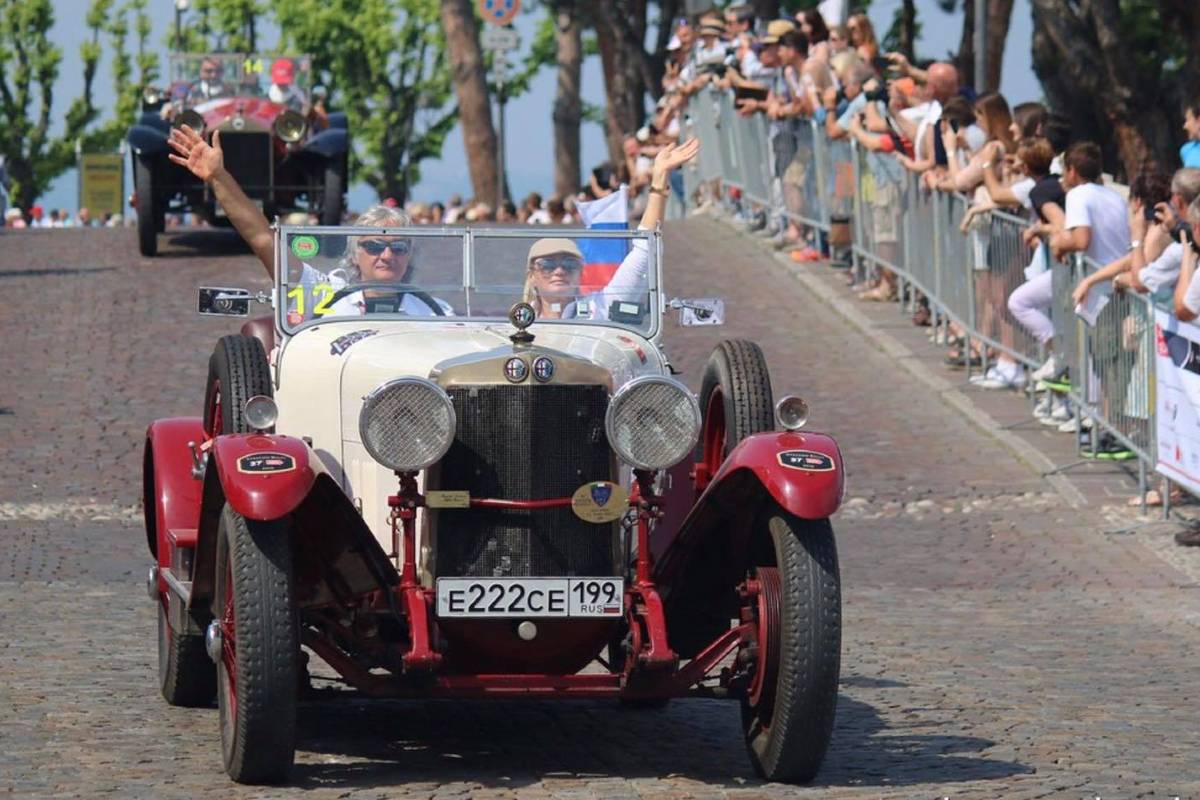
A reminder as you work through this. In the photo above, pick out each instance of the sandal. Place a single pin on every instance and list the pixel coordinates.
(1154, 499)
(955, 359)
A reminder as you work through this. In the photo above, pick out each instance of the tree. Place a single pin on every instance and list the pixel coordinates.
(1120, 70)
(384, 63)
(228, 26)
(568, 111)
(474, 99)
(29, 64)
(904, 30)
(127, 89)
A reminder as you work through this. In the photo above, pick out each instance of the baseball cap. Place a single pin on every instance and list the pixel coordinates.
(550, 246)
(283, 71)
(777, 28)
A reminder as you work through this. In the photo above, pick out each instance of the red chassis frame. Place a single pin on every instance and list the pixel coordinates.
(651, 669)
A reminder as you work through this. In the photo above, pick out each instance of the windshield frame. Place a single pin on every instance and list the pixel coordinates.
(302, 62)
(468, 234)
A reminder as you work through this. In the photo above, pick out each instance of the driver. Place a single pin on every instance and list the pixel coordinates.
(387, 259)
(554, 265)
(211, 83)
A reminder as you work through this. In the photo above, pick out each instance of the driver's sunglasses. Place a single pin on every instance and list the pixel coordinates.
(399, 247)
(567, 264)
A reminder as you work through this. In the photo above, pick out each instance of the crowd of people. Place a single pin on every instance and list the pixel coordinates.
(38, 217)
(919, 120)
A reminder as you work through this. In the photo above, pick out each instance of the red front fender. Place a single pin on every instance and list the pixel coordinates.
(802, 471)
(264, 476)
(171, 496)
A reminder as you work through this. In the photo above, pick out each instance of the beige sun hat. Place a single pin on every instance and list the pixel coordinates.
(551, 246)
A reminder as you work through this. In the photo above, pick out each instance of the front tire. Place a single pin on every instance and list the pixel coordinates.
(186, 675)
(333, 198)
(254, 605)
(735, 399)
(147, 219)
(788, 710)
(237, 371)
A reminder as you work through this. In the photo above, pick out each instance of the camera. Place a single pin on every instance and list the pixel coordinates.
(1189, 236)
(879, 93)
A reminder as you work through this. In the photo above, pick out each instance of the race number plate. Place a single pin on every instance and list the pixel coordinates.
(501, 598)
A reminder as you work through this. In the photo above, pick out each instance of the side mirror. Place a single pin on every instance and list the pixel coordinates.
(224, 302)
(699, 311)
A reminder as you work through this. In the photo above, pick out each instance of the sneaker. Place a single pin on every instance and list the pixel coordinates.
(1050, 370)
(1002, 376)
(1044, 407)
(1070, 427)
(805, 254)
(1060, 412)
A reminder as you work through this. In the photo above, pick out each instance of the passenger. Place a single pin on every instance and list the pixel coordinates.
(283, 89)
(554, 265)
(374, 258)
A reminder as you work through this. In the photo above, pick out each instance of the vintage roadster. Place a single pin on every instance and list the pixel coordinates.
(285, 152)
(439, 494)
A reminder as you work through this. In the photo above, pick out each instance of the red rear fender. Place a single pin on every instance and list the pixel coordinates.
(264, 476)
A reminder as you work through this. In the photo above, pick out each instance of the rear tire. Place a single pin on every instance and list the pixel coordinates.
(237, 371)
(257, 677)
(186, 675)
(147, 219)
(333, 199)
(735, 399)
(788, 713)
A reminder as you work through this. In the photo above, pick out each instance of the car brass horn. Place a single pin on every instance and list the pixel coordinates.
(191, 118)
(289, 126)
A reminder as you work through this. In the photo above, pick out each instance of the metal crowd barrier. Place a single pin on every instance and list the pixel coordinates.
(801, 175)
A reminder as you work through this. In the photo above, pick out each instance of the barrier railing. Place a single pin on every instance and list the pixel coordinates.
(965, 274)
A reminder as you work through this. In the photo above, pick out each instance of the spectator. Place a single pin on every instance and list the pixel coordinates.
(739, 21)
(862, 37)
(1096, 223)
(437, 213)
(839, 40)
(1187, 290)
(1190, 152)
(36, 219)
(812, 25)
(507, 212)
(837, 126)
(556, 210)
(993, 118)
(454, 209)
(13, 218)
(84, 217)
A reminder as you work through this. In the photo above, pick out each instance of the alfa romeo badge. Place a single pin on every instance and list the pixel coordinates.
(521, 315)
(543, 368)
(516, 370)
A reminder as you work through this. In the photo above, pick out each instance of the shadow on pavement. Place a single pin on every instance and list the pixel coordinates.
(511, 744)
(203, 242)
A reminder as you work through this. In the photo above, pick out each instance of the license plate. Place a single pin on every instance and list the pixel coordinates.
(500, 598)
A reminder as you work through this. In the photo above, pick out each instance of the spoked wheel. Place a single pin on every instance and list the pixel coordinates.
(788, 708)
(736, 400)
(186, 674)
(237, 371)
(255, 612)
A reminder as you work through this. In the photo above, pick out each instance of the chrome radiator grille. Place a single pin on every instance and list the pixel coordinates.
(525, 442)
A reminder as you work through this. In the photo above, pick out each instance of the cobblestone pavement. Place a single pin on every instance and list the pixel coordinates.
(997, 643)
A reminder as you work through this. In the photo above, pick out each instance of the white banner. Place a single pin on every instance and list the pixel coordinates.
(1177, 399)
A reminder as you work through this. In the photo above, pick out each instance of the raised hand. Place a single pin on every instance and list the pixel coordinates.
(202, 159)
(675, 155)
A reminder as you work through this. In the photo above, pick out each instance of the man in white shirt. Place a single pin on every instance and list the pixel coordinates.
(1097, 223)
(1187, 290)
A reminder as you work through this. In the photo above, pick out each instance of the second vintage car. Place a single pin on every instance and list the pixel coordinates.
(453, 485)
(284, 150)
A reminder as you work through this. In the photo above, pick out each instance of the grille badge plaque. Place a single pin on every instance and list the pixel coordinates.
(516, 370)
(543, 368)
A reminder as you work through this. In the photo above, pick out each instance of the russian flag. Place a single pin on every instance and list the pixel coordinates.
(601, 257)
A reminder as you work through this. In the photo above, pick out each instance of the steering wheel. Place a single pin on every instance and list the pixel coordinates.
(400, 289)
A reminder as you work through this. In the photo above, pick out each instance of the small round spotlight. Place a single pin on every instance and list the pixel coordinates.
(260, 412)
(791, 412)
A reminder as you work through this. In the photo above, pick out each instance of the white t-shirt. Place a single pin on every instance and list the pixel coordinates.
(1021, 190)
(1191, 298)
(932, 115)
(540, 216)
(629, 284)
(1163, 272)
(1098, 207)
(353, 303)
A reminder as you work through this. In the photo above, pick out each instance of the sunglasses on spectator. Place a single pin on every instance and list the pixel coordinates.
(565, 263)
(399, 247)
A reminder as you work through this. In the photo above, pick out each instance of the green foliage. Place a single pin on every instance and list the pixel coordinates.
(891, 39)
(1157, 48)
(218, 26)
(384, 63)
(29, 68)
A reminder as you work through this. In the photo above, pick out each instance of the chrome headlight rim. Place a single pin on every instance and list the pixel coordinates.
(192, 118)
(614, 404)
(292, 134)
(373, 398)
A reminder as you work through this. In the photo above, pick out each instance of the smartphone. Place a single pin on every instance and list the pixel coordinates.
(881, 64)
(1149, 213)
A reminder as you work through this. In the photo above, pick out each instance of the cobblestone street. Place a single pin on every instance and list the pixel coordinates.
(998, 642)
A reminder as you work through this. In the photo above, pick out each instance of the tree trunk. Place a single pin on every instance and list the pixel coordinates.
(474, 101)
(964, 60)
(1089, 73)
(620, 117)
(766, 9)
(998, 18)
(567, 107)
(908, 28)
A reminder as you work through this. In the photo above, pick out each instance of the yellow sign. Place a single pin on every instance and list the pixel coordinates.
(600, 501)
(447, 499)
(101, 176)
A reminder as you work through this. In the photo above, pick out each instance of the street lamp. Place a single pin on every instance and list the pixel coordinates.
(180, 7)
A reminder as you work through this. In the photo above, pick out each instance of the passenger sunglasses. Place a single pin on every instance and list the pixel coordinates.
(374, 247)
(548, 265)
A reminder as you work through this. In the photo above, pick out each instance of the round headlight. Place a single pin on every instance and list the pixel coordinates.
(407, 424)
(791, 412)
(290, 126)
(260, 412)
(191, 118)
(653, 422)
